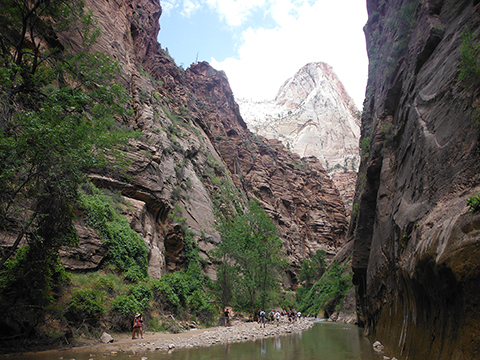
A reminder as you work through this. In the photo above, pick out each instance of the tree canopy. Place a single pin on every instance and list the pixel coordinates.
(251, 259)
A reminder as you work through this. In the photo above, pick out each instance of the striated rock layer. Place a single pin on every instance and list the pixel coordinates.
(416, 242)
(297, 193)
(196, 157)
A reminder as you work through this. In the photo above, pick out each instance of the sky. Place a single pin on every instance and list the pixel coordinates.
(261, 43)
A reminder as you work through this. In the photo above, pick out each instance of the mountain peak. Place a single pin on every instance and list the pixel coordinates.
(312, 115)
(312, 78)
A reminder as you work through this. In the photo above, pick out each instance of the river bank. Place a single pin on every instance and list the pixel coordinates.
(123, 343)
(238, 331)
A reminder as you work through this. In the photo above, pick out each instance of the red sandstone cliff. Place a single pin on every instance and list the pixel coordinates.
(192, 133)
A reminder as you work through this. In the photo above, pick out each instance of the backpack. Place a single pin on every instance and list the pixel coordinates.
(262, 313)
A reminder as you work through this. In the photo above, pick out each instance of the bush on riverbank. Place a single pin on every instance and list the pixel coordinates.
(328, 293)
(105, 300)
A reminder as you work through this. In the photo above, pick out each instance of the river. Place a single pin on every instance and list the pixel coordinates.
(324, 341)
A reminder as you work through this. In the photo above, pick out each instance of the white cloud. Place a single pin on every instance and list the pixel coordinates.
(190, 7)
(168, 6)
(329, 31)
(234, 12)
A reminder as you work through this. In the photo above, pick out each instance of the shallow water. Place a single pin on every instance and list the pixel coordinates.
(325, 341)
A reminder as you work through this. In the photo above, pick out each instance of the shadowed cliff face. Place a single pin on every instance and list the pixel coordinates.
(416, 243)
(192, 133)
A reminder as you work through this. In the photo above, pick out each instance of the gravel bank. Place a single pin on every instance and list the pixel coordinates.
(239, 331)
(123, 343)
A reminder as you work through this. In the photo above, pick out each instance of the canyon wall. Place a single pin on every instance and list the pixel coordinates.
(196, 156)
(416, 243)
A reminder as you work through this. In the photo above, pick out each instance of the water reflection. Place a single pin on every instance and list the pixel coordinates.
(325, 341)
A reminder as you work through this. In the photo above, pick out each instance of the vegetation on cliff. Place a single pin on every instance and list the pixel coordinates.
(324, 288)
(127, 252)
(61, 118)
(59, 113)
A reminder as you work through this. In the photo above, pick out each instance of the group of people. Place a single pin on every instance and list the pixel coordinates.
(262, 319)
(275, 316)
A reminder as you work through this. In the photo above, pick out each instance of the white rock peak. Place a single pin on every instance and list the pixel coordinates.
(312, 114)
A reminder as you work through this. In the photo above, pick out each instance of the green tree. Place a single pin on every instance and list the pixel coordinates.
(251, 246)
(58, 119)
(327, 293)
(312, 270)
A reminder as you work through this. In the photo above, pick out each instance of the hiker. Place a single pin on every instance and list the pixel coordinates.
(277, 316)
(137, 326)
(227, 317)
(262, 318)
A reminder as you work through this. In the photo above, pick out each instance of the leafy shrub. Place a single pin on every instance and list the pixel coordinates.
(366, 147)
(469, 67)
(355, 210)
(165, 294)
(474, 203)
(126, 249)
(143, 295)
(327, 293)
(126, 305)
(288, 300)
(134, 275)
(313, 269)
(86, 305)
(185, 290)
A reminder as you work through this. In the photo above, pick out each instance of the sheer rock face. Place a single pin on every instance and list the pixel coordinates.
(162, 162)
(296, 193)
(416, 243)
(192, 132)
